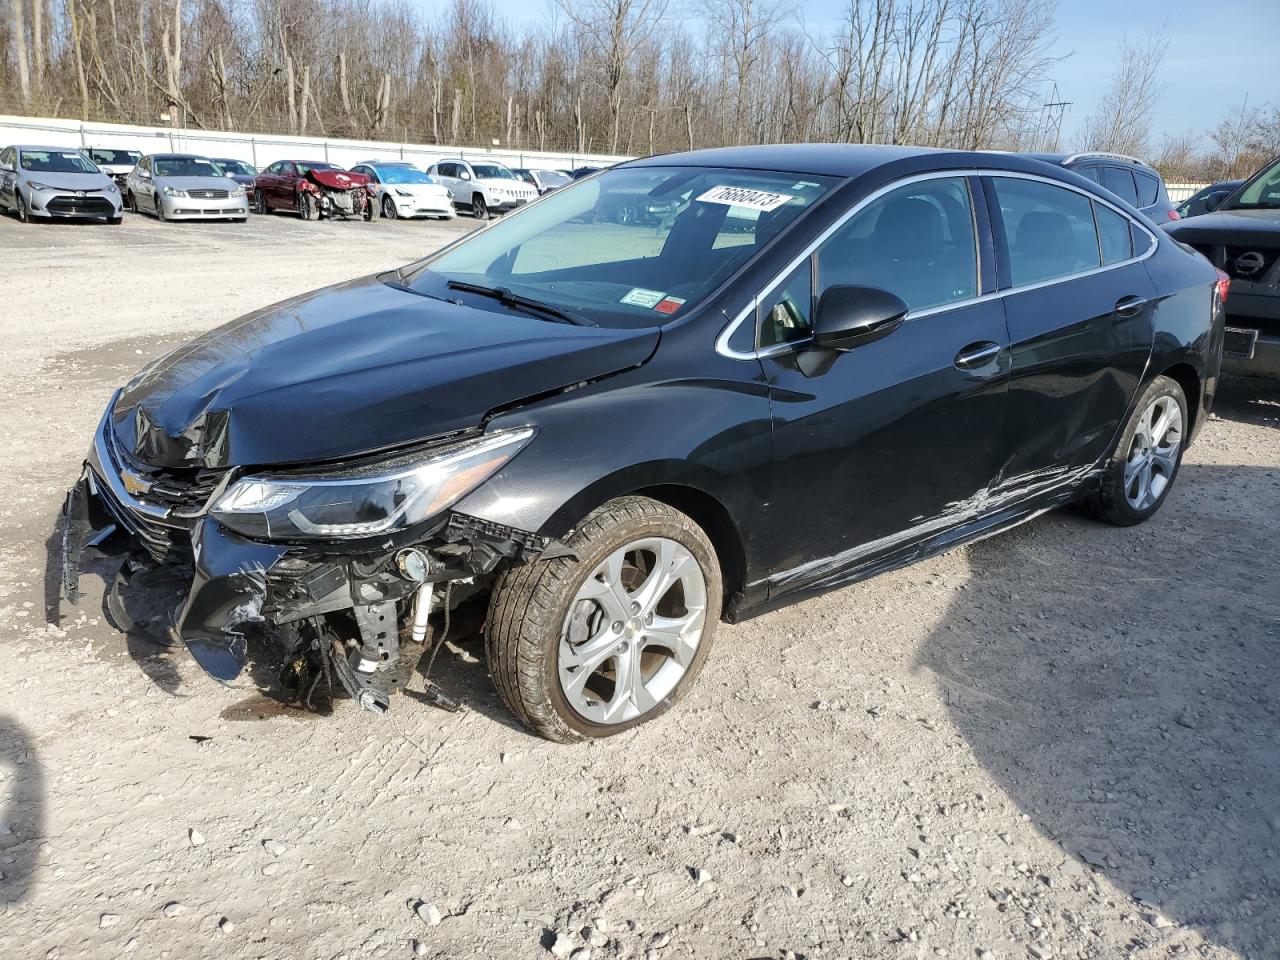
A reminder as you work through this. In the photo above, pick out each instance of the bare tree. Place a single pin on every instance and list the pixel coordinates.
(20, 50)
(1122, 121)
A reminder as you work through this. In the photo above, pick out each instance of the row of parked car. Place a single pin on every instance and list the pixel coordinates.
(100, 183)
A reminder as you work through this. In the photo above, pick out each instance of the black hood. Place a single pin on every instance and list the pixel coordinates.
(351, 369)
(1234, 227)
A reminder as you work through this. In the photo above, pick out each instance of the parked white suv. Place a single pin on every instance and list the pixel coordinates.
(483, 188)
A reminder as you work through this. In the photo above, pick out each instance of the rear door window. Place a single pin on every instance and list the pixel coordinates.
(1120, 182)
(1049, 230)
(917, 241)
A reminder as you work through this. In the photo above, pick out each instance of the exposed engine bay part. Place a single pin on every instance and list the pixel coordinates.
(336, 193)
(337, 618)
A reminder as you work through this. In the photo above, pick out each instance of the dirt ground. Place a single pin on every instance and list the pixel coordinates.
(1060, 742)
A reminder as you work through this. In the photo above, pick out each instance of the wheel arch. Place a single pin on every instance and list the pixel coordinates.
(1188, 378)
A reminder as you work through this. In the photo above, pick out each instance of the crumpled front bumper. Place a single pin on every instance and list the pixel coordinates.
(285, 591)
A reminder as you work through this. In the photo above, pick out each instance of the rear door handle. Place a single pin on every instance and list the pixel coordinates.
(1130, 306)
(977, 354)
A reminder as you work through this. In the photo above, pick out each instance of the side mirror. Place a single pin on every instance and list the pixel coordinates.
(464, 174)
(848, 318)
(1213, 201)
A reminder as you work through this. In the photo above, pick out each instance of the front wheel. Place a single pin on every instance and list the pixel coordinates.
(388, 208)
(159, 207)
(260, 202)
(307, 207)
(1141, 469)
(592, 646)
(24, 215)
(479, 208)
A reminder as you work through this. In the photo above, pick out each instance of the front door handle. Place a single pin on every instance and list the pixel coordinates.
(1130, 306)
(977, 354)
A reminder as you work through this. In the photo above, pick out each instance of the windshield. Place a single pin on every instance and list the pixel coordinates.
(305, 168)
(114, 157)
(402, 175)
(185, 167)
(1261, 193)
(235, 168)
(492, 170)
(57, 161)
(553, 178)
(630, 248)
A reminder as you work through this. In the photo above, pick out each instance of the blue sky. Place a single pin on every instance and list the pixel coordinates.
(1219, 52)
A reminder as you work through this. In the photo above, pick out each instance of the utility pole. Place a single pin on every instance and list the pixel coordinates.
(1052, 118)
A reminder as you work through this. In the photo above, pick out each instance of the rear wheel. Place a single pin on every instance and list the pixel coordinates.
(479, 208)
(593, 646)
(388, 208)
(1142, 467)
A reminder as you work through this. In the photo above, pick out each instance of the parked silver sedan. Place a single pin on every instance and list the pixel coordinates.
(181, 186)
(61, 183)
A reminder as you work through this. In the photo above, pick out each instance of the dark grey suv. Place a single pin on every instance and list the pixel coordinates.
(1127, 177)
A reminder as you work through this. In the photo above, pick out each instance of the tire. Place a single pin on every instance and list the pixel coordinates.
(239, 219)
(1140, 471)
(388, 208)
(536, 608)
(307, 208)
(479, 209)
(115, 221)
(159, 209)
(260, 203)
(24, 216)
(130, 204)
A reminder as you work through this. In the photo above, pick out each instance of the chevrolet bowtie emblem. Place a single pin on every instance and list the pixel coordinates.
(135, 484)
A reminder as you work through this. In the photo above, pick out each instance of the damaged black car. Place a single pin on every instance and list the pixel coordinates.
(822, 362)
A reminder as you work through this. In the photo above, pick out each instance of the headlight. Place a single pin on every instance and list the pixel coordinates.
(368, 501)
(403, 193)
(171, 192)
(111, 187)
(237, 192)
(37, 186)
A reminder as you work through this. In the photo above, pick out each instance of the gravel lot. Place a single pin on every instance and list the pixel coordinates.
(1060, 742)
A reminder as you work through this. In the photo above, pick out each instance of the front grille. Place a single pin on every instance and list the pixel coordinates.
(163, 543)
(208, 194)
(179, 491)
(1249, 263)
(81, 206)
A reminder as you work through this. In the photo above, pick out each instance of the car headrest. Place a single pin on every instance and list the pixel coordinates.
(908, 224)
(1042, 233)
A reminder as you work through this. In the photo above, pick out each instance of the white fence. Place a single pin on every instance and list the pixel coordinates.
(262, 149)
(1181, 191)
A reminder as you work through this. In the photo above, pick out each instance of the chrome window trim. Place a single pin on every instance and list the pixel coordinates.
(722, 340)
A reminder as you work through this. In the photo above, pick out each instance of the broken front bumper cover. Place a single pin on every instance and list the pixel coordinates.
(336, 606)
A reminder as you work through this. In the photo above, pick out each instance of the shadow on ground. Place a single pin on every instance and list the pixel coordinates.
(21, 811)
(1140, 730)
(1253, 400)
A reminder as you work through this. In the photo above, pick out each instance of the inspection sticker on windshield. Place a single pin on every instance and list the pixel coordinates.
(640, 297)
(743, 197)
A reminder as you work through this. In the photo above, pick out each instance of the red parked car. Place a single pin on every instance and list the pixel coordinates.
(313, 190)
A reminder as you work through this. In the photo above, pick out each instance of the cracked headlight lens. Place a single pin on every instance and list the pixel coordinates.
(366, 501)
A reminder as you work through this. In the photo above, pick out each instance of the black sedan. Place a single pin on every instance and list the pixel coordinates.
(829, 361)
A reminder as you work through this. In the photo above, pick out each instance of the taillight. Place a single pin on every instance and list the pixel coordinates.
(1173, 215)
(1224, 284)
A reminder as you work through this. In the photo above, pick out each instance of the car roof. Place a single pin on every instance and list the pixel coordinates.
(45, 148)
(838, 159)
(179, 156)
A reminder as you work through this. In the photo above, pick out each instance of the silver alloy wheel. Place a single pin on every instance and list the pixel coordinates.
(632, 630)
(1153, 454)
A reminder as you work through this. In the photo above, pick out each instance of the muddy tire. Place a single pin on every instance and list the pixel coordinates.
(1139, 474)
(593, 646)
(480, 209)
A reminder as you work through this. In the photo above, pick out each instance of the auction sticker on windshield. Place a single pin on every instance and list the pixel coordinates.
(761, 200)
(640, 297)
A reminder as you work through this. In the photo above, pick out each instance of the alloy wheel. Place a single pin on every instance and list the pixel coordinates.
(632, 630)
(1153, 453)
(388, 208)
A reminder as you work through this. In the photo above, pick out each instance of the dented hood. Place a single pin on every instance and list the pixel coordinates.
(351, 369)
(337, 179)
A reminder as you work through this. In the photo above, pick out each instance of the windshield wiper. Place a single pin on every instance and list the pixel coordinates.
(503, 295)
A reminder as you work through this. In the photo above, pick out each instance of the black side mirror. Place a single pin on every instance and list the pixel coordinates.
(1213, 201)
(848, 318)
